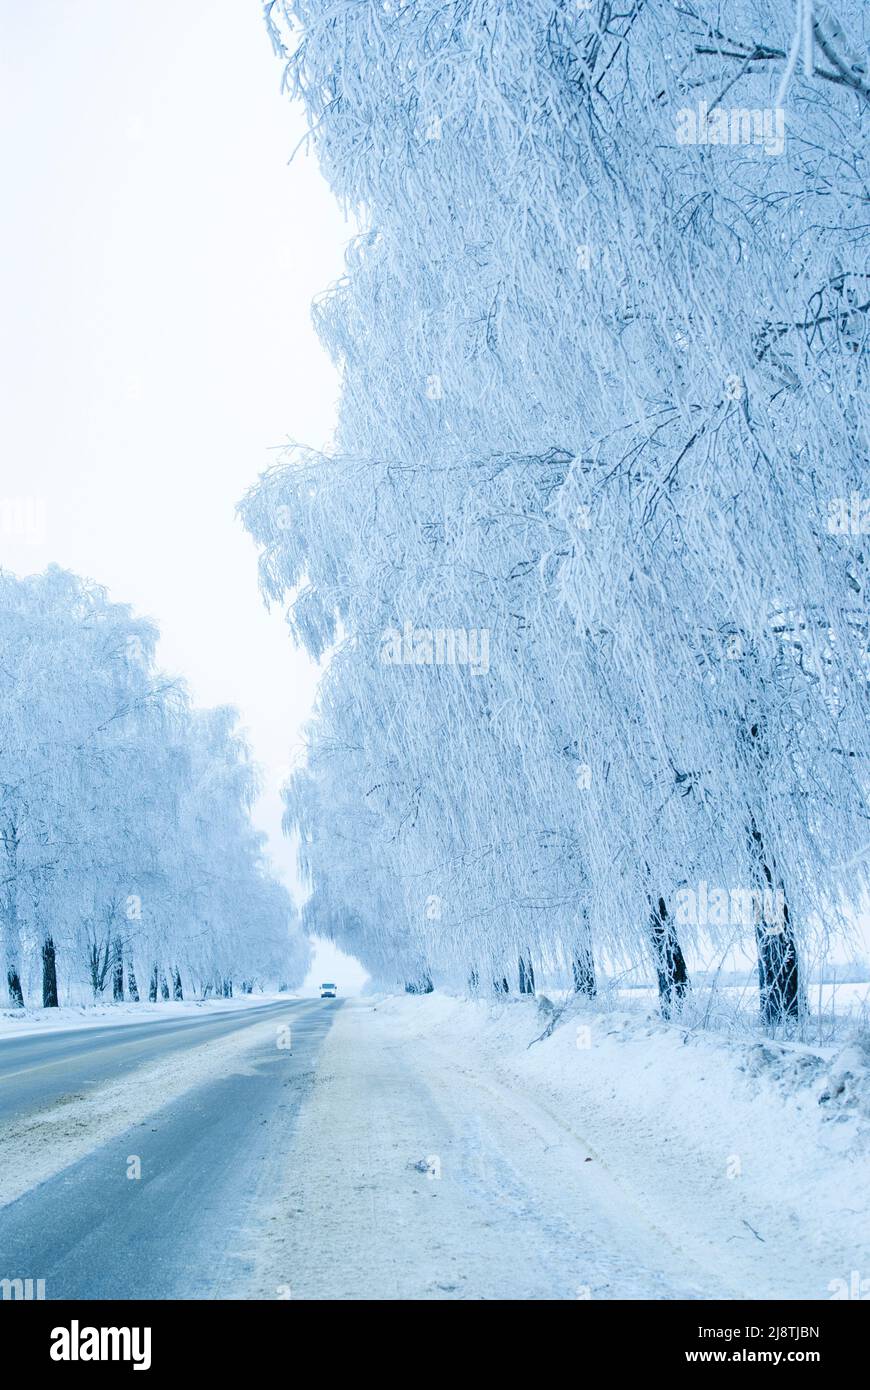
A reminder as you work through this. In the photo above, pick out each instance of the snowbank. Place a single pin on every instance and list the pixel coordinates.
(752, 1158)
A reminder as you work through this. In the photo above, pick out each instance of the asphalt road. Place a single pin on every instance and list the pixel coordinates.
(210, 1161)
(42, 1067)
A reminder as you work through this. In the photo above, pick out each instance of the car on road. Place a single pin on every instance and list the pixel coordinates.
(328, 991)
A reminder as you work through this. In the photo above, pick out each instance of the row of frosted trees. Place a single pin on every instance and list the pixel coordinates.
(584, 555)
(129, 867)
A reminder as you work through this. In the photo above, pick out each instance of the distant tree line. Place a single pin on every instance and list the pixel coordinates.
(128, 861)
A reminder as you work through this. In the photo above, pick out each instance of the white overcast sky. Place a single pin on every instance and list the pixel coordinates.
(158, 256)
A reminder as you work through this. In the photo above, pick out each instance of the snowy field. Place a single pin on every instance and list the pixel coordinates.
(833, 1009)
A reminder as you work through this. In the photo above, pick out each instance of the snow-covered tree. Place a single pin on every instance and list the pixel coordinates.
(603, 350)
(124, 815)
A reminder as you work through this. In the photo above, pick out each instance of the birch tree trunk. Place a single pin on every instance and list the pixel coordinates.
(9, 920)
(49, 974)
(673, 977)
(583, 964)
(118, 970)
(527, 976)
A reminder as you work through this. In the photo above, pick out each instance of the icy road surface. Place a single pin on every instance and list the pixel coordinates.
(206, 1106)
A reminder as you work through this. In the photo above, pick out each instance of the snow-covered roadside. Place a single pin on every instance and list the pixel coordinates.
(751, 1157)
(440, 1155)
(406, 1179)
(20, 1023)
(47, 1139)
